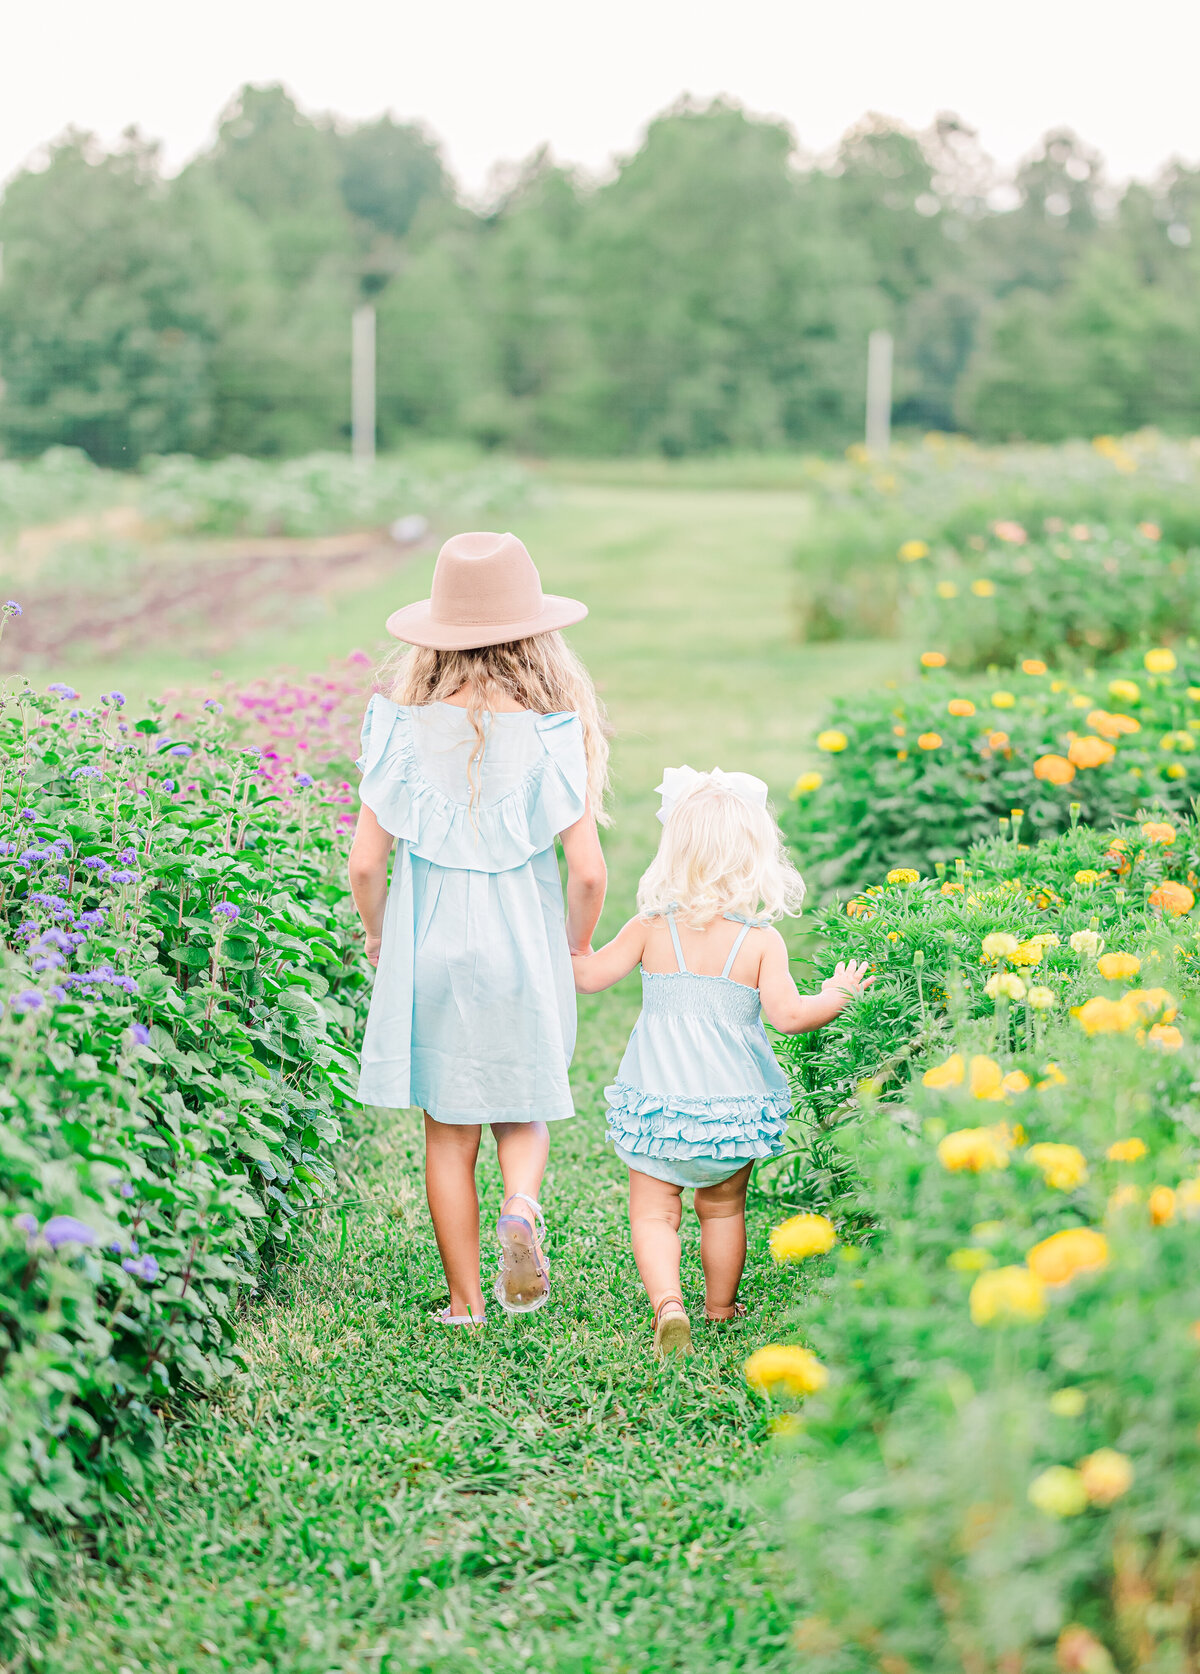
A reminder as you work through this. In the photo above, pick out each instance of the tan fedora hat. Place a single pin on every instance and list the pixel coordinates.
(486, 590)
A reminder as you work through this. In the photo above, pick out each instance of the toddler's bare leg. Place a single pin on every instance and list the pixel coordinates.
(721, 1211)
(450, 1153)
(522, 1149)
(655, 1210)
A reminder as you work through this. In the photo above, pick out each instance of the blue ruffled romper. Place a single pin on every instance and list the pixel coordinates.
(473, 1009)
(699, 1092)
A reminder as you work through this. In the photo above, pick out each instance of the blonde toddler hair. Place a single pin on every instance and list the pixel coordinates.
(540, 673)
(720, 854)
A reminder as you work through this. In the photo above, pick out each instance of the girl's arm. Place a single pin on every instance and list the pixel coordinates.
(793, 1013)
(594, 971)
(587, 878)
(368, 877)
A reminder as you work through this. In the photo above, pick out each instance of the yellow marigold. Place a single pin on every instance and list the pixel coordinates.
(903, 875)
(1087, 942)
(1158, 831)
(832, 740)
(997, 740)
(1165, 1037)
(910, 551)
(1016, 1081)
(1160, 660)
(970, 1260)
(1053, 769)
(1067, 1403)
(1063, 1166)
(1027, 954)
(1006, 983)
(982, 587)
(1003, 700)
(1087, 877)
(933, 659)
(973, 1151)
(950, 887)
(1089, 751)
(1174, 898)
(1006, 1294)
(946, 590)
(960, 706)
(1126, 1150)
(1066, 1255)
(1118, 967)
(1177, 770)
(985, 1079)
(801, 1236)
(929, 741)
(1125, 691)
(1059, 1492)
(1152, 1002)
(1041, 998)
(1100, 1016)
(1033, 665)
(1000, 944)
(806, 784)
(1106, 1475)
(1161, 1204)
(859, 909)
(784, 1369)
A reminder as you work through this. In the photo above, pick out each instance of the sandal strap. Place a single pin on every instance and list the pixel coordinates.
(539, 1219)
(663, 1303)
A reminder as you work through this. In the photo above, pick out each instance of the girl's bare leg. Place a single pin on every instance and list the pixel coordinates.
(721, 1211)
(450, 1153)
(522, 1149)
(655, 1210)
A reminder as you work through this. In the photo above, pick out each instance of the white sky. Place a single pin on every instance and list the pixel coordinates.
(494, 79)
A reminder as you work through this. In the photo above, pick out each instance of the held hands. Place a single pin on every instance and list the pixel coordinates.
(850, 978)
(374, 943)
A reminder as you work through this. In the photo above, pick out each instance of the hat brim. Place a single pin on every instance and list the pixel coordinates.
(414, 624)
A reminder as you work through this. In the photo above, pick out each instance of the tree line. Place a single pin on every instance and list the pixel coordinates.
(715, 293)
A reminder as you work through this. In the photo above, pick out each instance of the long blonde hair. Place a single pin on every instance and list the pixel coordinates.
(540, 673)
(719, 853)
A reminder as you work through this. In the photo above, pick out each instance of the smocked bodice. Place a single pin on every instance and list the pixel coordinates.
(688, 994)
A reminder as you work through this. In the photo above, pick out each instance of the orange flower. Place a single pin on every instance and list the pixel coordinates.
(1055, 770)
(961, 706)
(1007, 530)
(1090, 752)
(1032, 665)
(933, 659)
(1166, 1037)
(1162, 1206)
(1173, 898)
(1112, 726)
(1158, 831)
(1061, 1257)
(930, 740)
(997, 740)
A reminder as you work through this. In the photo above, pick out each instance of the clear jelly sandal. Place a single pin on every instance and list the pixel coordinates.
(672, 1327)
(445, 1317)
(523, 1282)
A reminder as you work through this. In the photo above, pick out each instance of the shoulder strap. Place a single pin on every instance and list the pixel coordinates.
(675, 939)
(736, 948)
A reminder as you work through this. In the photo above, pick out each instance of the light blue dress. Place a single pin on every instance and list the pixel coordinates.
(473, 1010)
(699, 1093)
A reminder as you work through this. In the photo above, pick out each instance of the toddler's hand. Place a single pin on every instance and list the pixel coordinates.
(374, 943)
(849, 978)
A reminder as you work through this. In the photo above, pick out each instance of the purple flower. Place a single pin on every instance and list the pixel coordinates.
(115, 1247)
(8, 848)
(123, 877)
(211, 703)
(182, 751)
(126, 857)
(87, 773)
(65, 1229)
(141, 1037)
(93, 918)
(64, 693)
(26, 1223)
(168, 785)
(46, 962)
(126, 1188)
(304, 780)
(58, 992)
(12, 608)
(118, 698)
(28, 814)
(143, 1268)
(30, 1000)
(226, 909)
(93, 862)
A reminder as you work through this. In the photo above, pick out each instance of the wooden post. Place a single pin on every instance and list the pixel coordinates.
(879, 391)
(362, 383)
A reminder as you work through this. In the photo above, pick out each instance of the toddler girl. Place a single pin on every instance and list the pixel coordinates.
(490, 745)
(699, 1096)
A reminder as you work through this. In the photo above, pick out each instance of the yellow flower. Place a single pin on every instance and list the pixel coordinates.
(951, 887)
(1118, 967)
(903, 875)
(1059, 1492)
(1173, 898)
(949, 1074)
(960, 706)
(910, 551)
(1033, 665)
(1027, 954)
(929, 741)
(1041, 998)
(982, 587)
(985, 1079)
(1065, 1255)
(970, 1260)
(946, 590)
(1187, 1198)
(1087, 942)
(1053, 769)
(973, 1151)
(999, 945)
(1162, 1206)
(1158, 831)
(1151, 1002)
(1007, 1293)
(1126, 1150)
(1106, 1475)
(1006, 983)
(998, 741)
(1166, 1037)
(806, 784)
(801, 1236)
(1067, 1403)
(933, 659)
(1087, 877)
(1063, 1166)
(1160, 660)
(1123, 1198)
(1003, 700)
(1016, 1081)
(783, 1369)
(1125, 691)
(1090, 752)
(1099, 1016)
(1177, 770)
(832, 740)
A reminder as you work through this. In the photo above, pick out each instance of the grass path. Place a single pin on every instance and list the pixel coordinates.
(377, 1494)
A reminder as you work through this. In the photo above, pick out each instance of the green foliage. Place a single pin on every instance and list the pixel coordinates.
(905, 781)
(181, 995)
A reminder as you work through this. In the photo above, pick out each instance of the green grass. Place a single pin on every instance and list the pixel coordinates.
(378, 1494)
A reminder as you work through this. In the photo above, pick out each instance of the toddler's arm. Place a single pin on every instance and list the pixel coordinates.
(368, 877)
(594, 971)
(587, 878)
(793, 1013)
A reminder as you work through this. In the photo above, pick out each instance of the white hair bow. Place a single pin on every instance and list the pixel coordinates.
(678, 782)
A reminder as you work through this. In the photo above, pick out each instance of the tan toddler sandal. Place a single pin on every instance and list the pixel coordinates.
(523, 1282)
(739, 1312)
(672, 1327)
